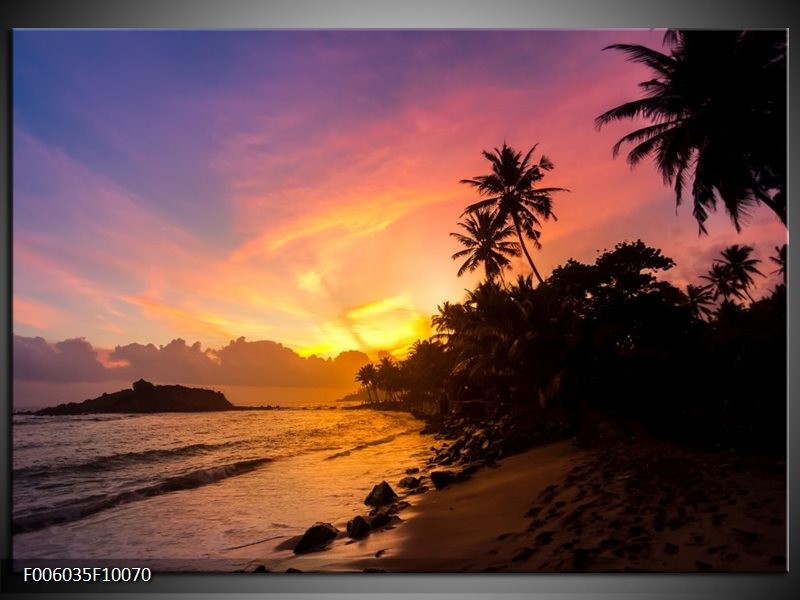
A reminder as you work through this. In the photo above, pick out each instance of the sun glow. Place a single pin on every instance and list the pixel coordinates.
(390, 324)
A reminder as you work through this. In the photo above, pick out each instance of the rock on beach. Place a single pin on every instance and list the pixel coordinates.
(316, 537)
(381, 494)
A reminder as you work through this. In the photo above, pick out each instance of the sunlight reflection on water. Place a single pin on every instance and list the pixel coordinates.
(171, 486)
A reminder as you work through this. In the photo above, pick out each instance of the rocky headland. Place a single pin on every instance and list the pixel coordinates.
(145, 397)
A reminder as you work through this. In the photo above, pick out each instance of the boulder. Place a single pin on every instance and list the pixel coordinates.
(315, 537)
(412, 471)
(441, 479)
(409, 482)
(396, 507)
(381, 494)
(357, 527)
(380, 520)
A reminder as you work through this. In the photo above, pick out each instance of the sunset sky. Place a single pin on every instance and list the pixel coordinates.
(299, 186)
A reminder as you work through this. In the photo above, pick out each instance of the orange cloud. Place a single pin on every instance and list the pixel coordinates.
(354, 220)
(36, 314)
(389, 324)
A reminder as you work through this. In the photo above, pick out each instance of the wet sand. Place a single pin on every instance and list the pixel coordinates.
(631, 507)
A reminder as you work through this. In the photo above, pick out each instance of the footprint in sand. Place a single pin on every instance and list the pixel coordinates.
(534, 511)
(545, 537)
(746, 537)
(718, 519)
(550, 491)
(536, 524)
(524, 554)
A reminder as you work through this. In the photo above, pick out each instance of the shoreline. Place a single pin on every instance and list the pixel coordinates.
(629, 506)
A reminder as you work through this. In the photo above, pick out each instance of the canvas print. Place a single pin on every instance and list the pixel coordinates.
(400, 301)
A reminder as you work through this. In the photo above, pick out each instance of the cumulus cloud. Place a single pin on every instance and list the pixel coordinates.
(264, 363)
(176, 361)
(68, 360)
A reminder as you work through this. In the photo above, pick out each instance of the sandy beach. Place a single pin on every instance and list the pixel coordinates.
(629, 507)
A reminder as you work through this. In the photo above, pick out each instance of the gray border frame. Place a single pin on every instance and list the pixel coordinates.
(305, 14)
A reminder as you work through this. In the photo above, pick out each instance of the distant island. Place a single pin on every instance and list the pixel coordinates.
(145, 397)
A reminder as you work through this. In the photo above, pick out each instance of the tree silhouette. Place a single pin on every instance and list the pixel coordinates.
(737, 260)
(722, 282)
(597, 338)
(367, 376)
(388, 378)
(699, 298)
(780, 260)
(425, 371)
(510, 189)
(716, 107)
(485, 243)
(451, 318)
(732, 275)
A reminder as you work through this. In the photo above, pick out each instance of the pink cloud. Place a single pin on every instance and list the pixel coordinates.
(36, 314)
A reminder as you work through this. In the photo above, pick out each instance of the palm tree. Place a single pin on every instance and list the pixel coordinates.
(699, 298)
(510, 190)
(732, 275)
(722, 282)
(450, 319)
(388, 378)
(367, 376)
(737, 260)
(780, 260)
(485, 243)
(716, 107)
(426, 367)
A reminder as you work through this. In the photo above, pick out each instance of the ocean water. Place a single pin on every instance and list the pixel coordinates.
(191, 491)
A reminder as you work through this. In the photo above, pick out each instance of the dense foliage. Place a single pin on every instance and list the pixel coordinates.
(610, 338)
(716, 112)
(704, 365)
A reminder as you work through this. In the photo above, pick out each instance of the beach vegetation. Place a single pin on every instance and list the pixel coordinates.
(715, 112)
(613, 338)
(703, 363)
(486, 242)
(510, 191)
